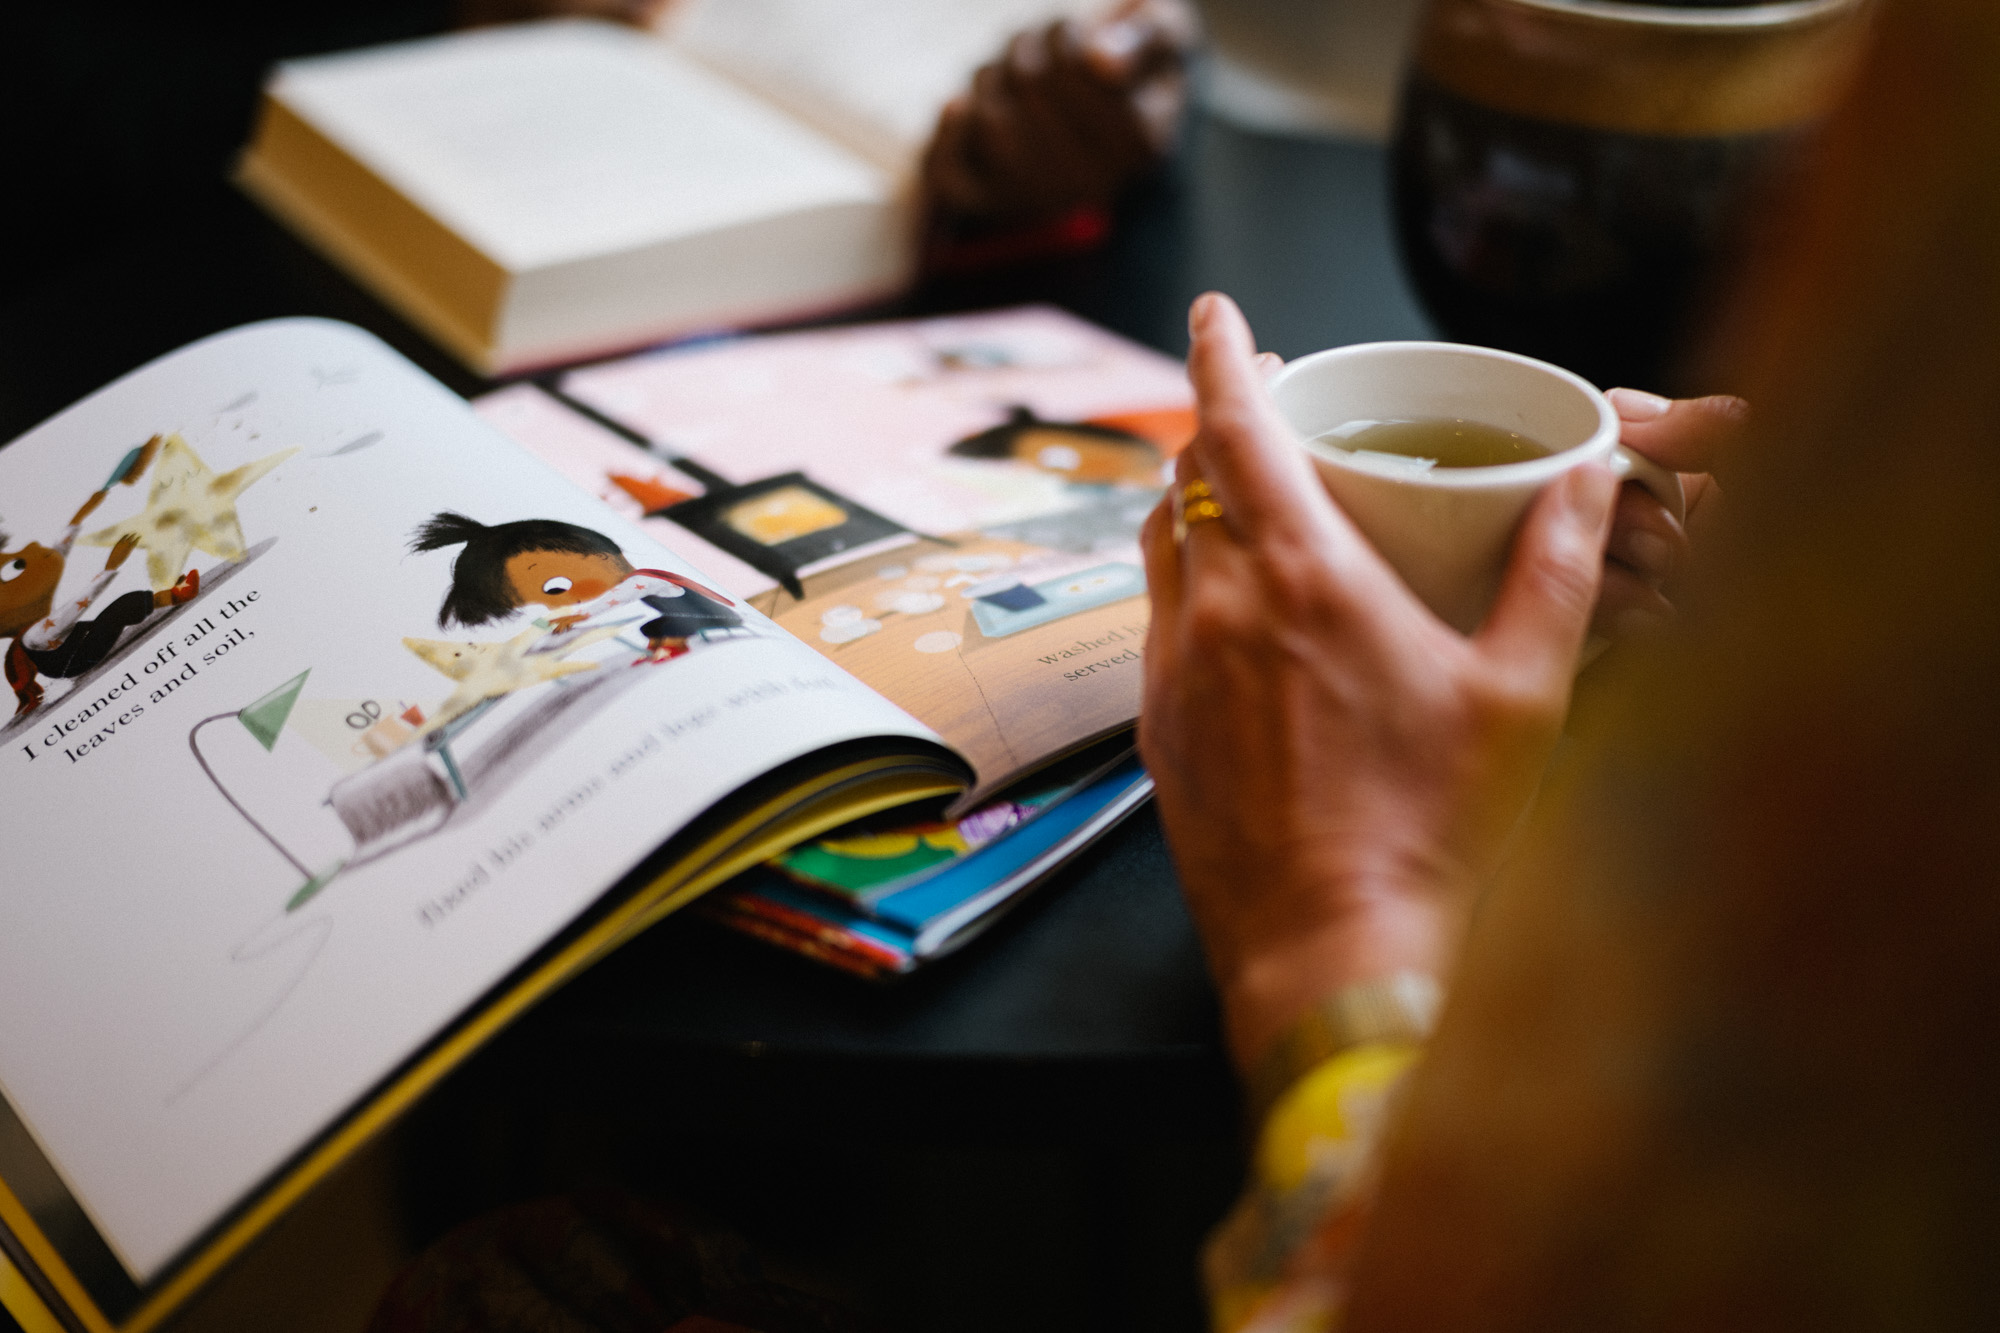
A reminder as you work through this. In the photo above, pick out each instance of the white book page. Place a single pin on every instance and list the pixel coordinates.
(176, 1017)
(550, 142)
(873, 72)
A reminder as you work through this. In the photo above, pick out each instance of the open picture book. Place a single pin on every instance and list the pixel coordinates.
(950, 509)
(537, 193)
(343, 727)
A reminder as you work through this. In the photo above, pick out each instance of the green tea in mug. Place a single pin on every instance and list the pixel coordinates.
(1445, 442)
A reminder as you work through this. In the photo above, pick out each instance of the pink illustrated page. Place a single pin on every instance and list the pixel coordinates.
(949, 508)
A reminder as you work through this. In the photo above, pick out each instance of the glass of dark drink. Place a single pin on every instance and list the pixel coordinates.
(1572, 175)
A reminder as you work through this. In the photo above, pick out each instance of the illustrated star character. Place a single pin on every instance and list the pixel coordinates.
(190, 508)
(490, 670)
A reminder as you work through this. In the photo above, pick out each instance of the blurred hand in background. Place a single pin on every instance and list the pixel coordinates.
(1067, 116)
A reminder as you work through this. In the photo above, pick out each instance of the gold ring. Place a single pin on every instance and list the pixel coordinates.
(1194, 503)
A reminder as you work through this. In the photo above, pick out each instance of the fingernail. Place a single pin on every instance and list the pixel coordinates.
(1201, 312)
(1638, 405)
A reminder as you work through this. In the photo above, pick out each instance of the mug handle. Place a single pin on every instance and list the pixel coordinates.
(1665, 486)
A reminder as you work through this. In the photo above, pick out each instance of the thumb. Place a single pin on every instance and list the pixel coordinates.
(1537, 623)
(1685, 434)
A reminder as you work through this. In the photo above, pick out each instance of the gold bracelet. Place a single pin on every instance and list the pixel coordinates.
(1401, 1007)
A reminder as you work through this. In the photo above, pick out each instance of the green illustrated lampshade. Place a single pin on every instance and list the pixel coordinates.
(265, 718)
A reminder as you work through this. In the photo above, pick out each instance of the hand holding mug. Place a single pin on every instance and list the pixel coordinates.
(1338, 768)
(1436, 451)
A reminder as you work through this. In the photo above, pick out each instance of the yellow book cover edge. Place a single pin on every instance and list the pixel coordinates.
(753, 837)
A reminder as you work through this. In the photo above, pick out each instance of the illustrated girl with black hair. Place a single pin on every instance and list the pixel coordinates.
(577, 574)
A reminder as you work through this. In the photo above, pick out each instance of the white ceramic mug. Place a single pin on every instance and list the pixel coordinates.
(1449, 531)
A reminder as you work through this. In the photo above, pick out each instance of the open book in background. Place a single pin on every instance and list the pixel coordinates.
(949, 509)
(870, 73)
(539, 193)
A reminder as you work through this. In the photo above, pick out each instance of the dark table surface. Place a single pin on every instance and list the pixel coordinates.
(1102, 963)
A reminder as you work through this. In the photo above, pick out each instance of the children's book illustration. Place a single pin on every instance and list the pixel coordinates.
(423, 765)
(189, 508)
(485, 671)
(331, 709)
(788, 527)
(948, 508)
(578, 575)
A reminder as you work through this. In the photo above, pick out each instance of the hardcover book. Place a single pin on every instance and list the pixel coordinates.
(538, 193)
